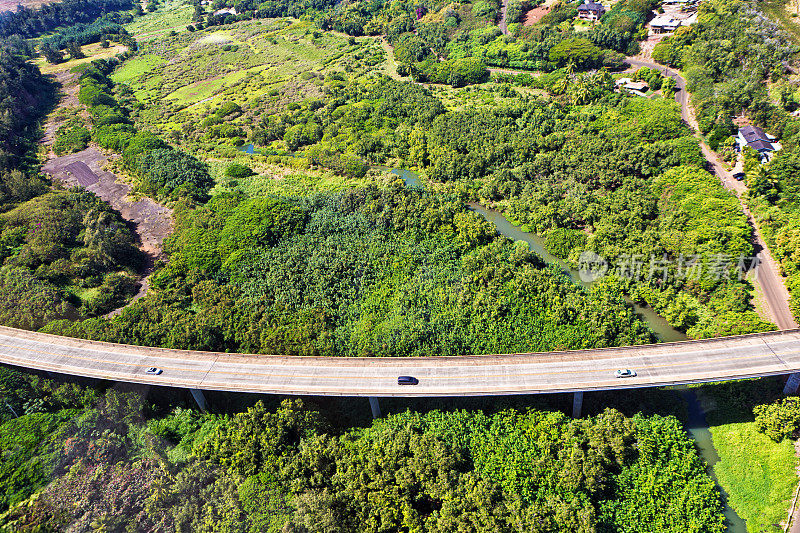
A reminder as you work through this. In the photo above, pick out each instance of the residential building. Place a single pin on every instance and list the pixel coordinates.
(664, 24)
(638, 88)
(591, 11)
(758, 140)
(225, 11)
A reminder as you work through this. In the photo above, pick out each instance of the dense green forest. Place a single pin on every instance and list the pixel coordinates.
(775, 200)
(366, 272)
(618, 176)
(119, 463)
(26, 22)
(81, 34)
(25, 96)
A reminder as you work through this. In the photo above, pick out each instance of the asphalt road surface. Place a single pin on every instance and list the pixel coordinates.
(583, 370)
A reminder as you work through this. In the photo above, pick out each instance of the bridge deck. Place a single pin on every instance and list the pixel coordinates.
(581, 370)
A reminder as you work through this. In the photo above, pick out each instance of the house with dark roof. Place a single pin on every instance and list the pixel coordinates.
(590, 11)
(758, 140)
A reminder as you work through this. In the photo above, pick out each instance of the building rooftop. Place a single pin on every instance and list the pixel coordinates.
(753, 133)
(664, 21)
(591, 6)
(760, 146)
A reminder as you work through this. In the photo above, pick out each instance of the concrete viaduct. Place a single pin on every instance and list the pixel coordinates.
(577, 371)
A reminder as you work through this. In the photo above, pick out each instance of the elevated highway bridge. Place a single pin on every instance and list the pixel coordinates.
(577, 371)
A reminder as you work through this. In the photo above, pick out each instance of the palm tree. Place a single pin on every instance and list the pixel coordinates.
(560, 87)
(604, 79)
(581, 92)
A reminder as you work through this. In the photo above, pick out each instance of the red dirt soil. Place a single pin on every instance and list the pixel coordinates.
(534, 15)
(11, 5)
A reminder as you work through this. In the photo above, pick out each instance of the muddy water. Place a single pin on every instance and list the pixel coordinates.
(657, 323)
(698, 429)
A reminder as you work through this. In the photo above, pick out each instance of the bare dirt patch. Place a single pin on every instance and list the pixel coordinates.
(69, 98)
(11, 5)
(647, 46)
(152, 221)
(535, 15)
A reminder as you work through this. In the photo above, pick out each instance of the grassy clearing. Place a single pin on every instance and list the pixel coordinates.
(190, 67)
(261, 65)
(137, 66)
(173, 15)
(780, 12)
(758, 474)
(282, 180)
(92, 51)
(390, 67)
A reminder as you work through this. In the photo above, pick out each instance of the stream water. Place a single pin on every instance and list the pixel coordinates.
(248, 149)
(698, 429)
(657, 323)
(697, 425)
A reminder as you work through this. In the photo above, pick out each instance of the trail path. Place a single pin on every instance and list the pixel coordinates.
(503, 24)
(151, 221)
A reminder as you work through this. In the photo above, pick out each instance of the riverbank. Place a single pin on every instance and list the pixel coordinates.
(758, 475)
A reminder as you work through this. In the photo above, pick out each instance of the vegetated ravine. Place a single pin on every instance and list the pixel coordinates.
(697, 425)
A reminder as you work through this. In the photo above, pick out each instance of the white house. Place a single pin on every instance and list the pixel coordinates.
(758, 140)
(225, 11)
(664, 24)
(638, 88)
(591, 11)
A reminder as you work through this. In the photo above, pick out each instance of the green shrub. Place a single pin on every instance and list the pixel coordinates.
(237, 171)
(779, 420)
(71, 137)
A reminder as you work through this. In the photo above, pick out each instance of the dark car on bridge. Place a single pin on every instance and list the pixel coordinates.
(407, 380)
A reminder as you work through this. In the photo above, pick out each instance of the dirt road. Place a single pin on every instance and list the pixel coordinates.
(152, 221)
(503, 24)
(768, 273)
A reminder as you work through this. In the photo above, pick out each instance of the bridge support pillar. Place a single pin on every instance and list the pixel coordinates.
(577, 404)
(200, 398)
(376, 408)
(792, 384)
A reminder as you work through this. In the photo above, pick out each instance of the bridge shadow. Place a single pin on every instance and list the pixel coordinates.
(723, 403)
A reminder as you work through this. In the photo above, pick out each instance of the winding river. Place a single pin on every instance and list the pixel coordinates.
(657, 323)
(697, 425)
